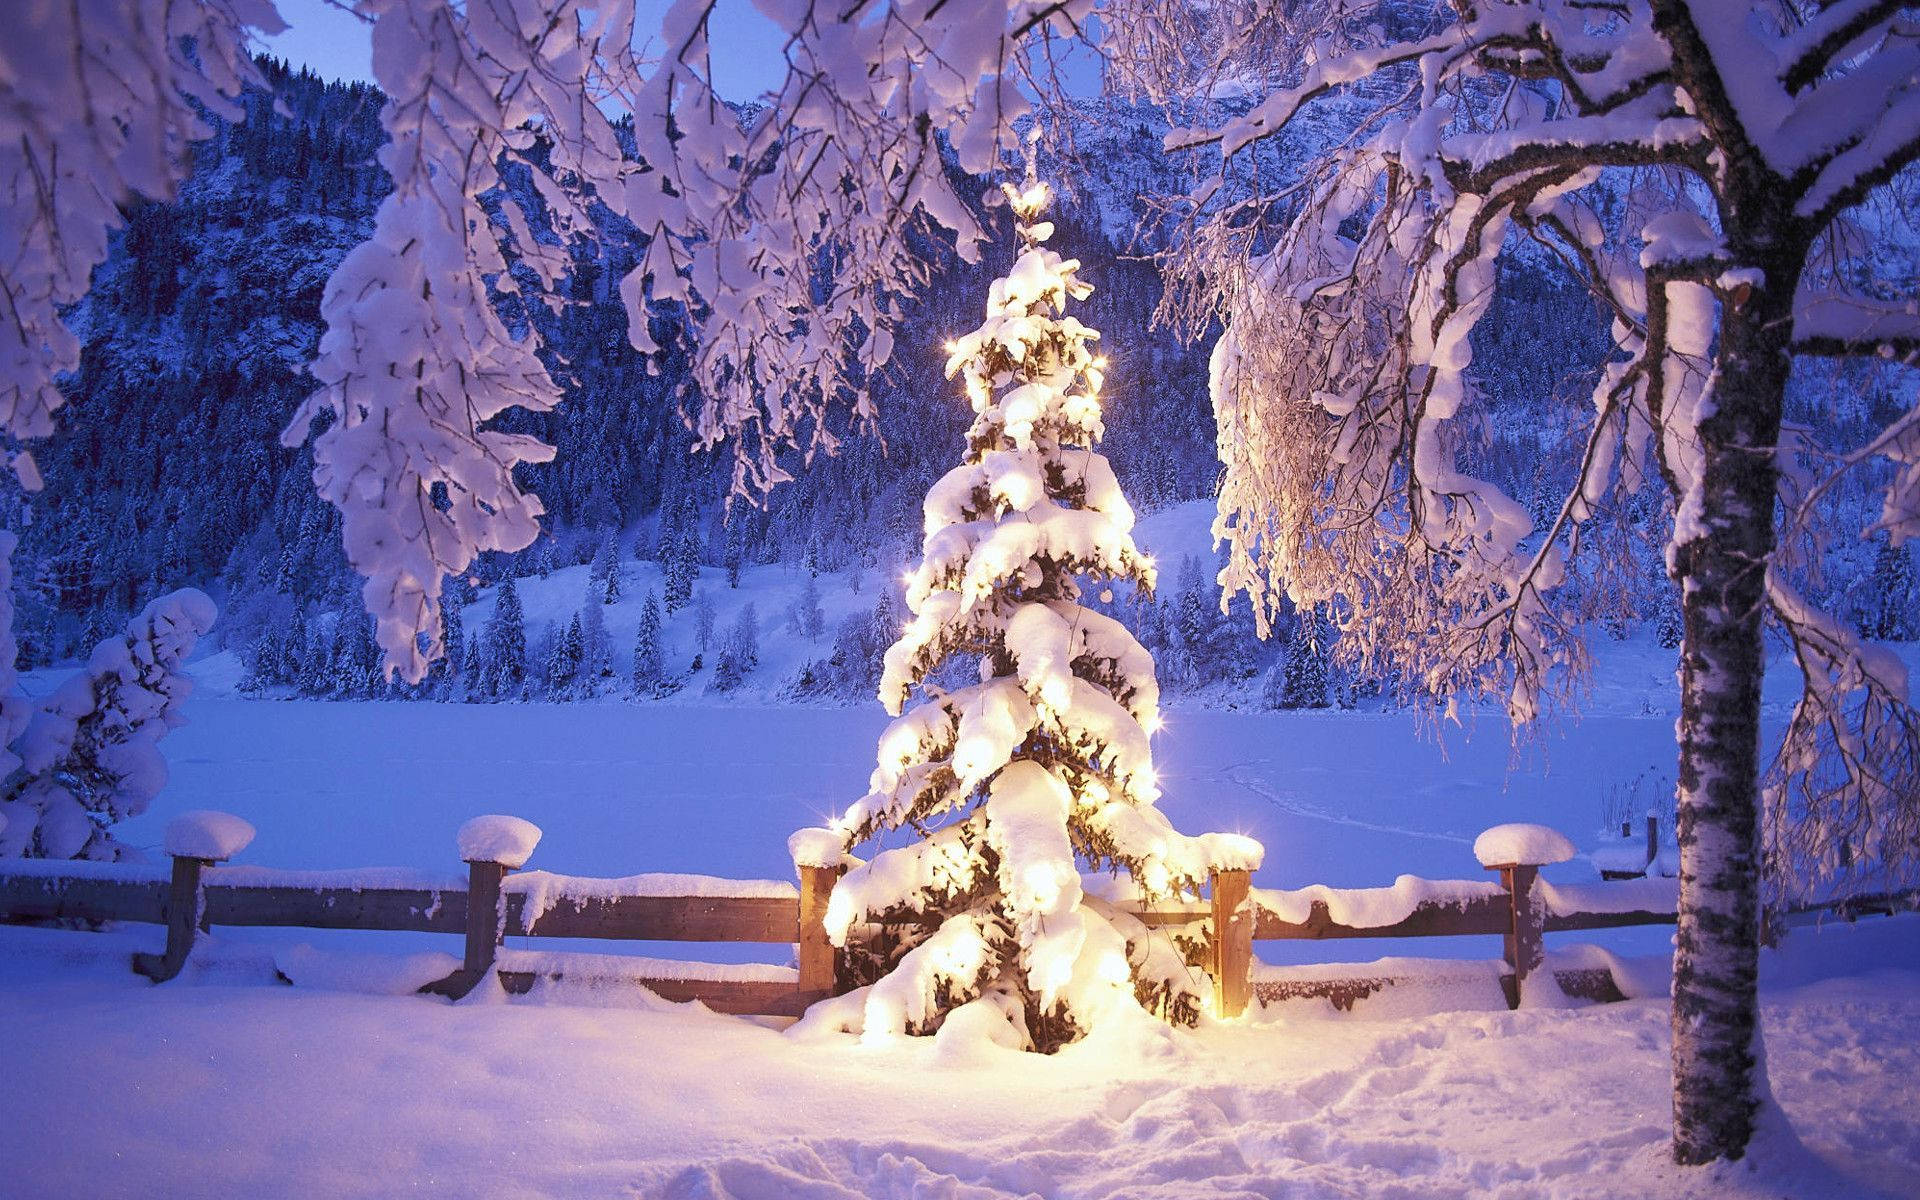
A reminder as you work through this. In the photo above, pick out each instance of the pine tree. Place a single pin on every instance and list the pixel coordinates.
(606, 569)
(564, 659)
(740, 653)
(1666, 628)
(703, 617)
(473, 669)
(596, 652)
(446, 669)
(736, 548)
(1894, 617)
(647, 665)
(506, 644)
(1046, 759)
(1305, 681)
(812, 622)
(680, 563)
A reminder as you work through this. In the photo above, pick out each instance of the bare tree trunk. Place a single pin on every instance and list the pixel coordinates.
(1722, 569)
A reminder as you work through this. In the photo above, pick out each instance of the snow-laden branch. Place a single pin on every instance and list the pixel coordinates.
(784, 235)
(417, 357)
(97, 107)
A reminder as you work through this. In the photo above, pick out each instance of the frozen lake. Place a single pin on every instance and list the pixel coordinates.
(1342, 798)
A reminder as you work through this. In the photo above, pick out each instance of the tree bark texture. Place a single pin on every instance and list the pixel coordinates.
(1722, 572)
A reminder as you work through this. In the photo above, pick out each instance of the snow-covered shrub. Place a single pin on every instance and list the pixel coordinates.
(89, 756)
(1013, 782)
(740, 652)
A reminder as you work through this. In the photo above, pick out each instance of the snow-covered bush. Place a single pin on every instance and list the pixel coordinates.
(1015, 781)
(90, 755)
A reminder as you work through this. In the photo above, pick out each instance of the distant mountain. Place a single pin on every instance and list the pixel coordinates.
(167, 469)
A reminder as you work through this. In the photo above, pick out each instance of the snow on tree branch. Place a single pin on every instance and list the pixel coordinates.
(1046, 760)
(784, 235)
(89, 755)
(1702, 168)
(417, 357)
(97, 107)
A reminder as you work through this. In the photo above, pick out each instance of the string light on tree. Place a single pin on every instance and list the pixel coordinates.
(1016, 782)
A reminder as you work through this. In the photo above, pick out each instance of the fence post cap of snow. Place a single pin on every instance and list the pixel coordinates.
(817, 847)
(1521, 845)
(207, 835)
(508, 841)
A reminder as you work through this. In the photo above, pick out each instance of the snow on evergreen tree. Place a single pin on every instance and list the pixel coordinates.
(453, 619)
(1273, 687)
(606, 569)
(680, 561)
(811, 621)
(739, 652)
(596, 650)
(473, 669)
(1046, 760)
(506, 644)
(563, 660)
(89, 756)
(647, 664)
(1894, 602)
(1304, 681)
(703, 618)
(736, 548)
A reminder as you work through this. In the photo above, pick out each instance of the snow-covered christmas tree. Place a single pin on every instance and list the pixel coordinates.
(1012, 784)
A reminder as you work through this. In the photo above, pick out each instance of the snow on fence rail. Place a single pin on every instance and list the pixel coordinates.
(495, 900)
(487, 905)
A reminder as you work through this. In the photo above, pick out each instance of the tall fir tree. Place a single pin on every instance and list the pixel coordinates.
(1014, 782)
(810, 620)
(596, 652)
(606, 570)
(1304, 682)
(564, 660)
(736, 548)
(1895, 607)
(647, 657)
(506, 644)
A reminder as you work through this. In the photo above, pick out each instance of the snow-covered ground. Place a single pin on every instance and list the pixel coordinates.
(223, 1084)
(227, 1083)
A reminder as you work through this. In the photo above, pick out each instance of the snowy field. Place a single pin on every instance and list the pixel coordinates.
(228, 1084)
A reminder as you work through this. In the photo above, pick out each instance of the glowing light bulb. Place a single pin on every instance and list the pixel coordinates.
(1154, 723)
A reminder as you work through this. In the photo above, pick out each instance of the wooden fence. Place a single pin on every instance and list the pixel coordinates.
(493, 902)
(488, 906)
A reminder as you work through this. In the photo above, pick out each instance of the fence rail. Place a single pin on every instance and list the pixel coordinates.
(494, 902)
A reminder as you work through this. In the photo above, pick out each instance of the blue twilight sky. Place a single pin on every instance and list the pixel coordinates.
(333, 44)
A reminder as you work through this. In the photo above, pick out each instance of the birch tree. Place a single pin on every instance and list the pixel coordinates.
(1711, 171)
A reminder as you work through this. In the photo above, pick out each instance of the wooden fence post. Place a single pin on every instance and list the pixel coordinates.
(186, 905)
(485, 920)
(1653, 844)
(490, 846)
(194, 840)
(485, 931)
(1232, 943)
(1524, 949)
(819, 959)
